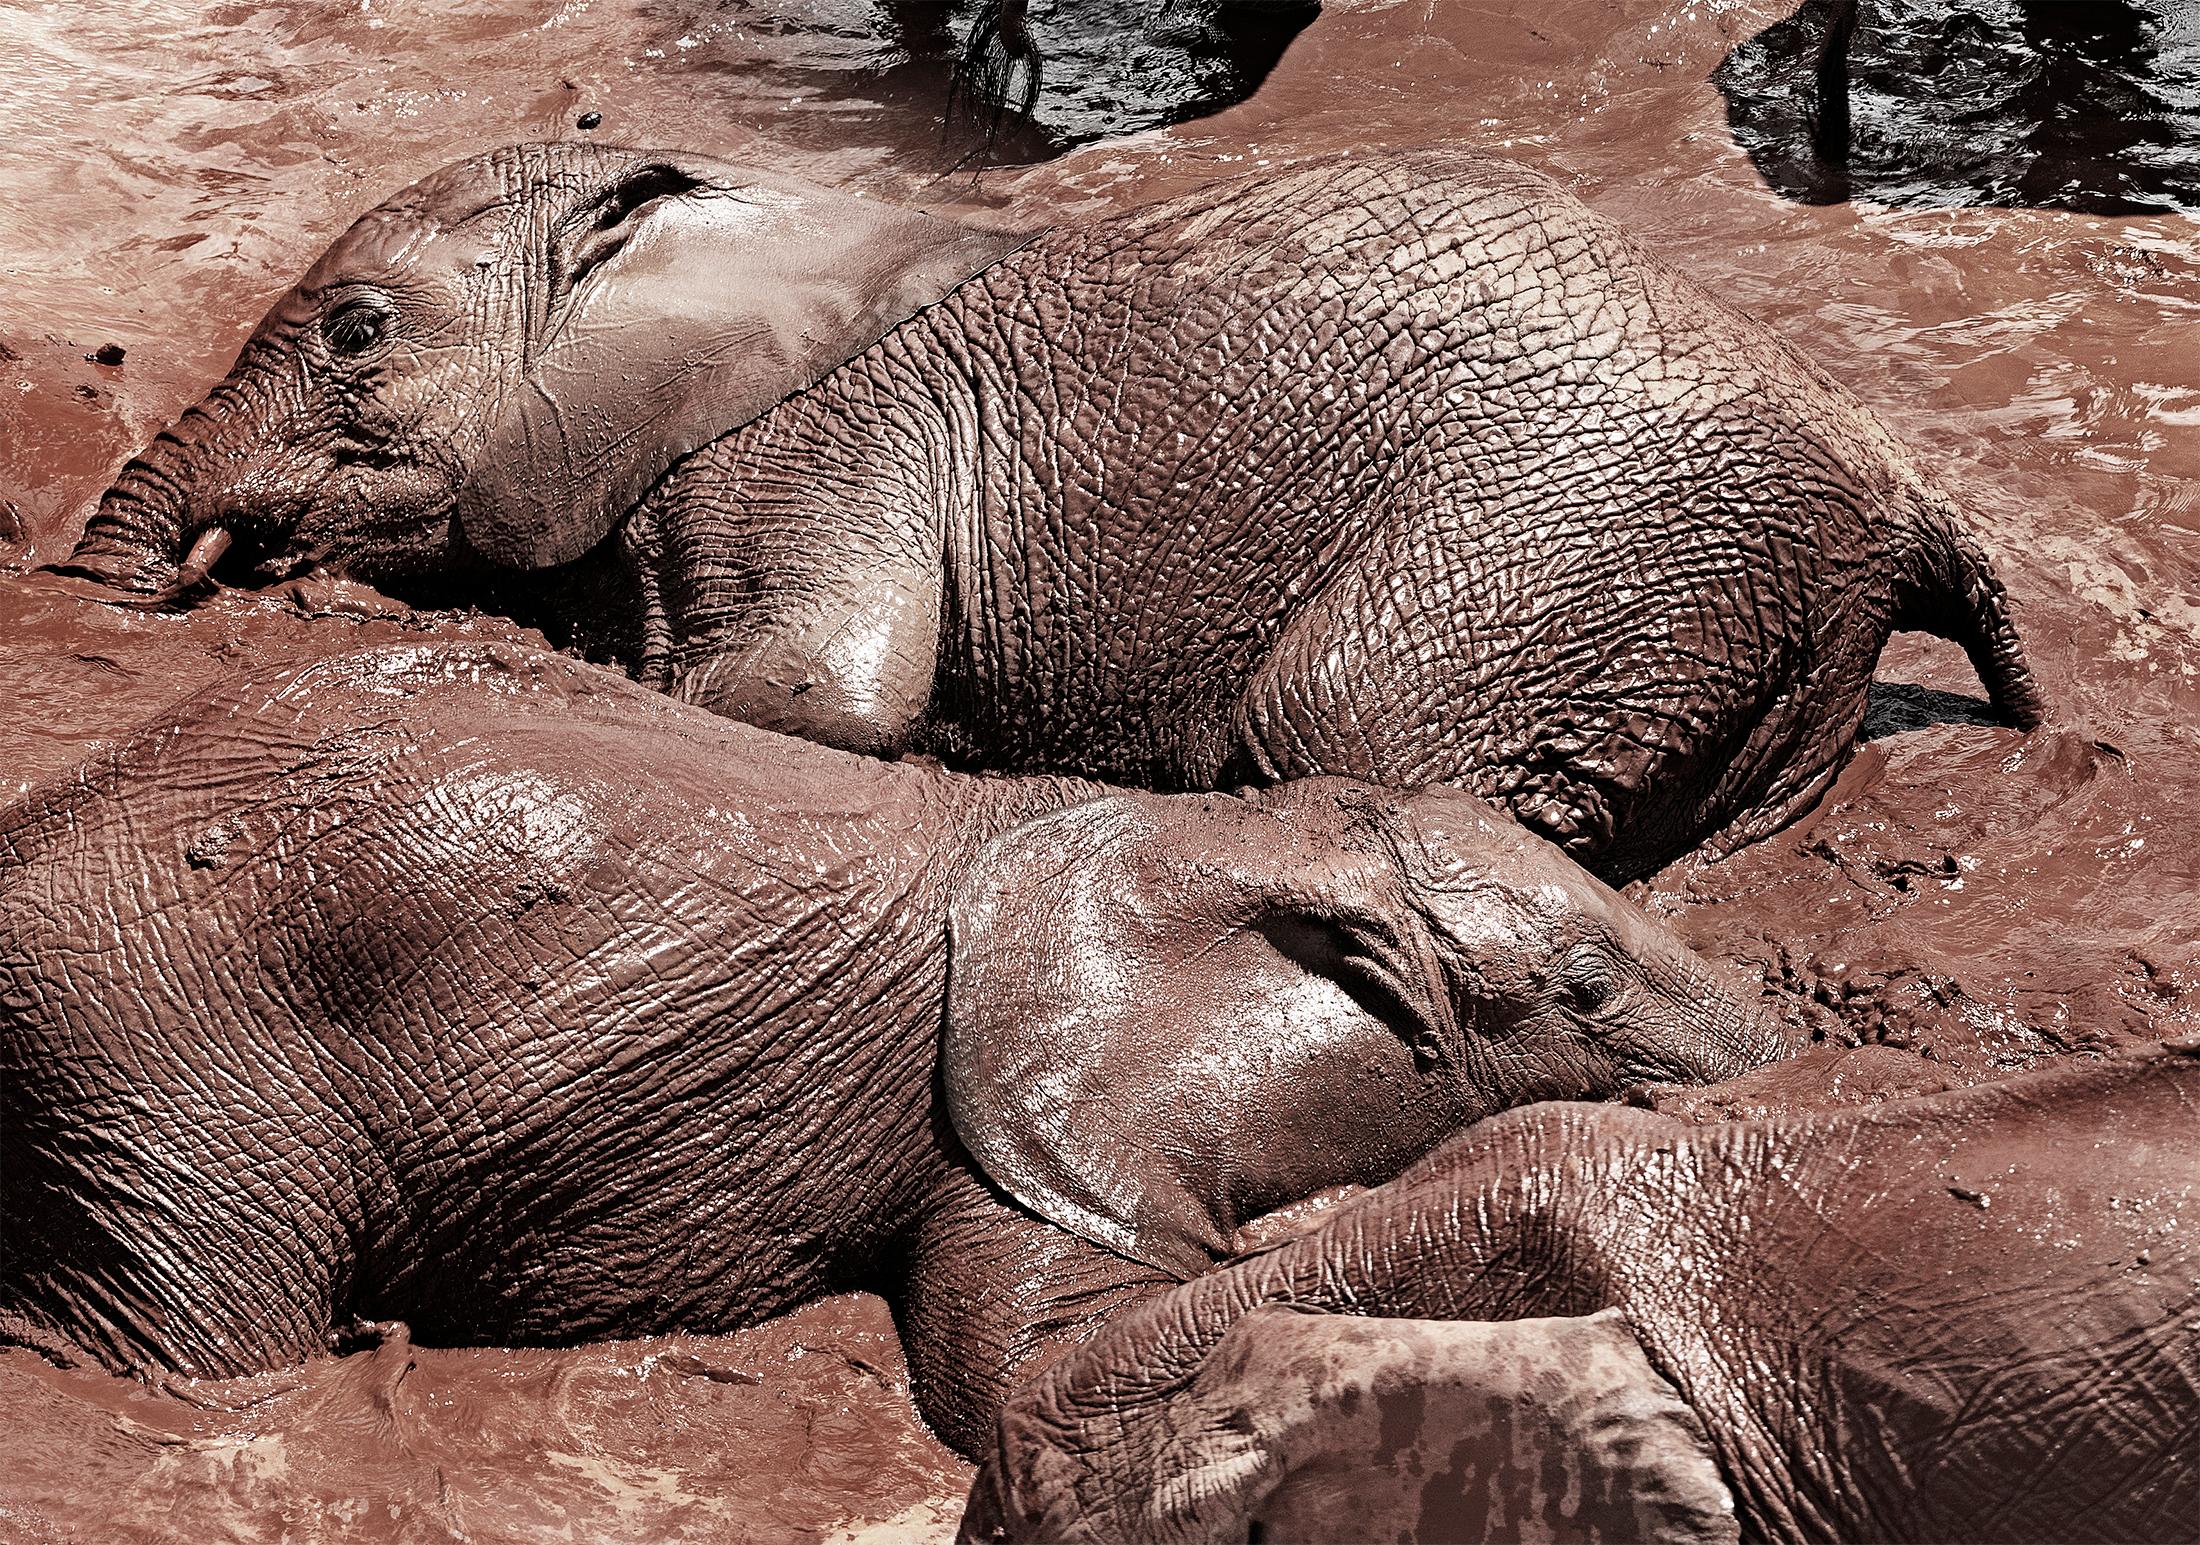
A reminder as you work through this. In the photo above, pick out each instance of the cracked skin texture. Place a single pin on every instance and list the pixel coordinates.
(1968, 1316)
(1407, 468)
(2040, 434)
(474, 987)
(517, 1029)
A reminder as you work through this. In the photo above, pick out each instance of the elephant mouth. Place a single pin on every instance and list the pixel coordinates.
(252, 562)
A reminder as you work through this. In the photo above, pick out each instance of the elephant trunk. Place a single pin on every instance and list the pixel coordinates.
(134, 539)
(1697, 1023)
(1737, 1037)
(156, 533)
(1465, 1234)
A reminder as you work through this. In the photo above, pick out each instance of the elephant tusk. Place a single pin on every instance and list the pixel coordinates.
(110, 589)
(205, 553)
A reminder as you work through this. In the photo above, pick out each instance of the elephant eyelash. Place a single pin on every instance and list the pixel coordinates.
(352, 327)
(365, 453)
(1591, 982)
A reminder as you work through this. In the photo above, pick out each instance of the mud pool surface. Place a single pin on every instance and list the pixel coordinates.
(1967, 901)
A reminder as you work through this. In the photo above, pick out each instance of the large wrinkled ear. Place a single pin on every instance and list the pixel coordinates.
(1555, 1430)
(684, 297)
(1169, 1016)
(1315, 1427)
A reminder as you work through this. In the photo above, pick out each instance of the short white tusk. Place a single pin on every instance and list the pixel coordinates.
(205, 553)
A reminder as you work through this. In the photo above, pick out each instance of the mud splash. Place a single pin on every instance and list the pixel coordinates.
(1966, 901)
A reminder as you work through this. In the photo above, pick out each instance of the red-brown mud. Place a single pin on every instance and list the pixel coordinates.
(1966, 901)
(800, 1429)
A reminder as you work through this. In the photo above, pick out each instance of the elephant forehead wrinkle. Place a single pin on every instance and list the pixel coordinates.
(736, 827)
(1552, 900)
(1487, 921)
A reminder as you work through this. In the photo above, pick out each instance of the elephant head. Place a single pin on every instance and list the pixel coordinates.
(1169, 1017)
(499, 361)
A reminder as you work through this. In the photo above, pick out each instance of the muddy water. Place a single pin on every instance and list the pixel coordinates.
(801, 1429)
(1967, 900)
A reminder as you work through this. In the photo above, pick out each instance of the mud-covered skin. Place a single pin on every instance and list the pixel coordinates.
(1406, 469)
(1973, 1316)
(473, 987)
(512, 349)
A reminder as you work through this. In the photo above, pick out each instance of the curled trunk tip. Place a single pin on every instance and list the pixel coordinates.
(136, 579)
(205, 552)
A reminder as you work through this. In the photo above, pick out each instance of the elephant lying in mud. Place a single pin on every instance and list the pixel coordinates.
(1406, 468)
(1971, 1317)
(486, 990)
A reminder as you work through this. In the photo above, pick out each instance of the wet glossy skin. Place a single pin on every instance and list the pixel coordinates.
(1968, 1317)
(2035, 359)
(1966, 893)
(1403, 467)
(480, 989)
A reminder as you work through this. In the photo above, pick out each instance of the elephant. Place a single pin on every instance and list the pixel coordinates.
(478, 987)
(1965, 1317)
(1407, 468)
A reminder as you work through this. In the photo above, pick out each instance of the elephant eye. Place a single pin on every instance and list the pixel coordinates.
(356, 326)
(1588, 980)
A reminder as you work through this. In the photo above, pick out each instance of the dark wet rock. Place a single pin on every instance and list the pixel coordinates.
(2039, 103)
(1080, 70)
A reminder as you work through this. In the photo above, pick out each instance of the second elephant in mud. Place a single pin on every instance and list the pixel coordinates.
(1406, 468)
(486, 990)
(1970, 1319)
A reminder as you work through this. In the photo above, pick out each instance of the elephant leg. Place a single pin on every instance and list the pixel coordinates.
(1801, 773)
(1360, 683)
(813, 608)
(1306, 1426)
(127, 1252)
(988, 1296)
(1619, 742)
(1388, 677)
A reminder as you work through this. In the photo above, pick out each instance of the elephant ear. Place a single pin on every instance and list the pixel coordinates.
(1169, 1016)
(1549, 1429)
(1306, 1427)
(685, 296)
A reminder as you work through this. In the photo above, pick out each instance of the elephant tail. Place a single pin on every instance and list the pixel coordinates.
(1947, 587)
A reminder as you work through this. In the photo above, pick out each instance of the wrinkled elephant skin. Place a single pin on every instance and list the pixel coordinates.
(1973, 1316)
(1406, 468)
(478, 988)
